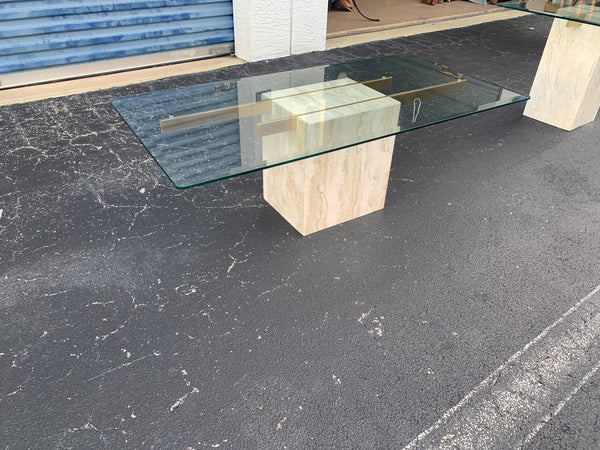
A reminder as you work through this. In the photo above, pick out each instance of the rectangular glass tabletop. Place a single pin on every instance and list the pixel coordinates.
(209, 132)
(584, 11)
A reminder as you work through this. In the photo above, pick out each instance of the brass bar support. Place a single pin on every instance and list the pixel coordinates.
(215, 116)
(280, 125)
(277, 126)
(430, 92)
(248, 109)
(573, 23)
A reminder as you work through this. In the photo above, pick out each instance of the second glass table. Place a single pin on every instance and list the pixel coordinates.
(566, 89)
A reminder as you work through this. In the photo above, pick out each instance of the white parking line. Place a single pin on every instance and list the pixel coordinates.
(513, 404)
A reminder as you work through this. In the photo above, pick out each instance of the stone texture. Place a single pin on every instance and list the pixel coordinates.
(316, 193)
(566, 89)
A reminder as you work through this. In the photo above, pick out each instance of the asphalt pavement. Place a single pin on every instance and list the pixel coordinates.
(462, 315)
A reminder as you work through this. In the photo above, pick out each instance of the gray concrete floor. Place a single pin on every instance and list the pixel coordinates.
(135, 315)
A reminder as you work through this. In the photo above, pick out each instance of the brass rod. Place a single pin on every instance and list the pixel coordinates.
(215, 116)
(279, 125)
(431, 91)
(248, 109)
(276, 126)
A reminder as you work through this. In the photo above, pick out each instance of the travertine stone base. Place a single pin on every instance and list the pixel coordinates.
(566, 89)
(326, 190)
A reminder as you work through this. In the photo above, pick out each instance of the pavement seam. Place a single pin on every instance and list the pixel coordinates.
(551, 369)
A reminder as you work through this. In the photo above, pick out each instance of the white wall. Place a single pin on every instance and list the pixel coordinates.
(267, 29)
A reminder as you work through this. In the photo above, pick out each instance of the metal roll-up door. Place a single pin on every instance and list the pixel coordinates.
(42, 40)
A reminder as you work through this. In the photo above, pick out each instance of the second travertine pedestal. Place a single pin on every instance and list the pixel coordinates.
(566, 89)
(322, 191)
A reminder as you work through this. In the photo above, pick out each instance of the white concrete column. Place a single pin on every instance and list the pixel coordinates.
(309, 25)
(267, 29)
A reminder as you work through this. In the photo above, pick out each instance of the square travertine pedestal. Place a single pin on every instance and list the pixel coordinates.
(566, 89)
(324, 190)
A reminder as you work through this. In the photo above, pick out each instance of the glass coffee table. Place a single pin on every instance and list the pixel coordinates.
(566, 89)
(323, 136)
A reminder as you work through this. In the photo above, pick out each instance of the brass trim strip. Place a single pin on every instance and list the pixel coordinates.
(430, 92)
(280, 125)
(277, 126)
(379, 84)
(215, 116)
(248, 109)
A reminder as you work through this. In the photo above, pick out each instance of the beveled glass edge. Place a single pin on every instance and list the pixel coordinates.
(520, 98)
(517, 98)
(117, 99)
(516, 6)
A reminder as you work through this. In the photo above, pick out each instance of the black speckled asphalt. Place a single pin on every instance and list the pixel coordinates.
(136, 315)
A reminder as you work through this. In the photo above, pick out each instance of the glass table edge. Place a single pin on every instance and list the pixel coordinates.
(521, 98)
(514, 5)
(518, 98)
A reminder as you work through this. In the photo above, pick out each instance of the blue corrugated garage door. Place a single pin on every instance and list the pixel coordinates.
(44, 35)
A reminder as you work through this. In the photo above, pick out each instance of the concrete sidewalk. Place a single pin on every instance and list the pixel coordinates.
(135, 315)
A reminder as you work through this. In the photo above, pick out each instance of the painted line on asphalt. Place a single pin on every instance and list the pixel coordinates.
(514, 403)
(562, 404)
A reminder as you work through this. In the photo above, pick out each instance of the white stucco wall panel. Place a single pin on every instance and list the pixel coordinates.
(261, 29)
(271, 30)
(241, 29)
(309, 25)
(266, 29)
